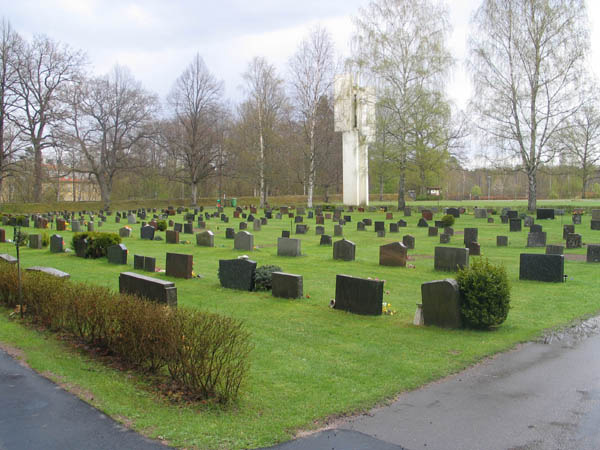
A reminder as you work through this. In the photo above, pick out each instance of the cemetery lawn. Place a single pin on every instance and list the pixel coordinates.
(311, 363)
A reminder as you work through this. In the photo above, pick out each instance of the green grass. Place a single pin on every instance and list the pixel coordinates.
(310, 362)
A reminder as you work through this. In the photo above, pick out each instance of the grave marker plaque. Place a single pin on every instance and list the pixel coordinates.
(550, 268)
(450, 259)
(358, 295)
(441, 303)
(237, 273)
(179, 265)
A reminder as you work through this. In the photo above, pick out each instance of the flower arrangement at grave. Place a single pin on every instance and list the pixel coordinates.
(386, 309)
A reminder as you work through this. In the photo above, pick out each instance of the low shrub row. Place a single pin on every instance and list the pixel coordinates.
(206, 355)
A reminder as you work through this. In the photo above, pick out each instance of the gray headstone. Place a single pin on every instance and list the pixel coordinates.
(576, 219)
(35, 241)
(125, 232)
(131, 219)
(75, 226)
(338, 230)
(441, 302)
(243, 241)
(288, 247)
(480, 213)
(451, 258)
(286, 285)
(319, 229)
(256, 225)
(567, 229)
(554, 249)
(205, 239)
(50, 271)
(536, 239)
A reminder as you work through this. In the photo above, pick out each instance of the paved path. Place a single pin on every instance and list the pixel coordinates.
(37, 414)
(541, 396)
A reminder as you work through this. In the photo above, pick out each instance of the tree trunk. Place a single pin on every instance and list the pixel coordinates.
(381, 187)
(194, 192)
(105, 190)
(263, 194)
(532, 191)
(401, 182)
(584, 177)
(37, 174)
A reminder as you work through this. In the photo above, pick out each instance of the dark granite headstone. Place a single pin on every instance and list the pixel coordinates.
(568, 229)
(576, 219)
(538, 267)
(237, 273)
(502, 241)
(117, 254)
(285, 234)
(444, 238)
(286, 285)
(408, 241)
(402, 224)
(367, 222)
(536, 239)
(229, 233)
(147, 232)
(379, 226)
(188, 228)
(515, 225)
(358, 295)
(451, 258)
(393, 254)
(474, 249)
(422, 223)
(544, 213)
(344, 250)
(432, 231)
(441, 302)
(57, 245)
(125, 232)
(319, 230)
(470, 235)
(172, 236)
(35, 241)
(536, 228)
(179, 265)
(454, 212)
(138, 262)
(325, 240)
(573, 240)
(595, 225)
(554, 249)
(407, 212)
(593, 253)
(154, 289)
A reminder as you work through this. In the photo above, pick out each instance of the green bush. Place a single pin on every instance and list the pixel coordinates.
(21, 221)
(45, 239)
(97, 242)
(205, 354)
(161, 225)
(21, 238)
(447, 220)
(263, 277)
(485, 292)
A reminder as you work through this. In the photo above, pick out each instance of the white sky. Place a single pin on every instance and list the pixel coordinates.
(157, 39)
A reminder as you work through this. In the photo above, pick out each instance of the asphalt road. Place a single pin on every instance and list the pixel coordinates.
(37, 414)
(540, 396)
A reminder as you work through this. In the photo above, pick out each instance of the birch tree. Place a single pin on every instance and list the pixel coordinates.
(312, 71)
(401, 46)
(265, 101)
(194, 134)
(525, 59)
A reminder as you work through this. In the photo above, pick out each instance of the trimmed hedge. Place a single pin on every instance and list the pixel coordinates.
(206, 355)
(97, 242)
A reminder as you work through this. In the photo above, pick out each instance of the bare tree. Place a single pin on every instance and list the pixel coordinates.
(265, 101)
(44, 67)
(111, 119)
(193, 135)
(526, 56)
(401, 46)
(312, 70)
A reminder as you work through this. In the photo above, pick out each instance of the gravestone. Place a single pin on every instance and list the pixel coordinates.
(360, 226)
(147, 232)
(229, 233)
(504, 219)
(75, 226)
(389, 216)
(178, 227)
(90, 227)
(576, 219)
(573, 240)
(381, 233)
(131, 219)
(474, 249)
(188, 228)
(138, 262)
(338, 230)
(263, 221)
(319, 230)
(35, 241)
(450, 258)
(393, 227)
(344, 250)
(595, 225)
(535, 228)
(61, 225)
(325, 240)
(480, 213)
(515, 225)
(298, 219)
(117, 219)
(288, 247)
(470, 235)
(379, 226)
(237, 273)
(149, 264)
(243, 226)
(422, 223)
(527, 221)
(427, 214)
(490, 220)
(568, 229)
(454, 212)
(57, 245)
(256, 225)
(172, 236)
(286, 285)
(244, 241)
(205, 239)
(201, 224)
(320, 220)
(432, 231)
(81, 247)
(502, 241)
(402, 223)
(544, 213)
(358, 295)
(536, 239)
(554, 249)
(593, 253)
(444, 238)
(595, 214)
(49, 271)
(441, 303)
(536, 267)
(302, 229)
(408, 241)
(407, 212)
(285, 233)
(154, 289)
(179, 265)
(5, 257)
(117, 254)
(449, 231)
(125, 232)
(393, 254)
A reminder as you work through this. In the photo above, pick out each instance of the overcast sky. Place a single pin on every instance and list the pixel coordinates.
(157, 39)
